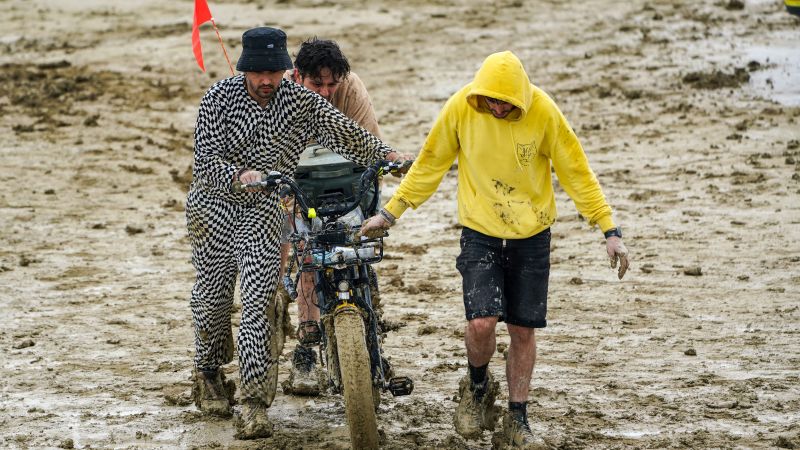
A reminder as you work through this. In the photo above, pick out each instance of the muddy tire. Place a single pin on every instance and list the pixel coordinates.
(277, 316)
(230, 349)
(375, 293)
(357, 386)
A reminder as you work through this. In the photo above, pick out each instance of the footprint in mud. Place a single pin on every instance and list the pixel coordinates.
(174, 205)
(391, 325)
(133, 229)
(396, 281)
(717, 79)
(182, 178)
(410, 248)
(26, 260)
(26, 343)
(694, 271)
(132, 168)
(177, 395)
(426, 330)
(643, 195)
(430, 288)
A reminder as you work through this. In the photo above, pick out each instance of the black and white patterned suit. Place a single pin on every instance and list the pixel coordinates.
(234, 233)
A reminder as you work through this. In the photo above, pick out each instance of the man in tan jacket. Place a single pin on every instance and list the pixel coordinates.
(321, 67)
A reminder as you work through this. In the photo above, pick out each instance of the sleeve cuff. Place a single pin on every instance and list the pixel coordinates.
(396, 207)
(606, 223)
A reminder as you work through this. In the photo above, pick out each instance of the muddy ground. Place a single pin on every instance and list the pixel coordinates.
(690, 115)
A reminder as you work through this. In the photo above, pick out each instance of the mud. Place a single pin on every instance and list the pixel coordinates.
(688, 111)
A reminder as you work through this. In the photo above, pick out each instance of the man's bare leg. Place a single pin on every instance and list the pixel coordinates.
(520, 363)
(479, 338)
(285, 249)
(306, 301)
(519, 369)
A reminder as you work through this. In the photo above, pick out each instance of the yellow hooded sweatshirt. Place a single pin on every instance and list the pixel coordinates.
(504, 184)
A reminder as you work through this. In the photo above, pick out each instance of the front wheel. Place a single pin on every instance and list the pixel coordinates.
(354, 364)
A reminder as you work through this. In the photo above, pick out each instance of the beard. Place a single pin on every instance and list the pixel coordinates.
(263, 92)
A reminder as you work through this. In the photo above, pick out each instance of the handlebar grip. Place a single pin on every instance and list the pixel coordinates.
(265, 185)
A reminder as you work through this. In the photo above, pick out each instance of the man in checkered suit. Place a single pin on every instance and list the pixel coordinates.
(248, 125)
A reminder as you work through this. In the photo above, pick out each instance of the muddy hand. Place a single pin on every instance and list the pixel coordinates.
(248, 176)
(251, 176)
(374, 227)
(406, 165)
(617, 252)
(405, 160)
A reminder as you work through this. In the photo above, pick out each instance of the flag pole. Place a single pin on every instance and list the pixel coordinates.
(223, 46)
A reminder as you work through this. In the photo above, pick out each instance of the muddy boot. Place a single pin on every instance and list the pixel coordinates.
(212, 393)
(252, 421)
(476, 410)
(303, 377)
(517, 434)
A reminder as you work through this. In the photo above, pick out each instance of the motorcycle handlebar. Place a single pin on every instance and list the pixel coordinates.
(268, 181)
(275, 179)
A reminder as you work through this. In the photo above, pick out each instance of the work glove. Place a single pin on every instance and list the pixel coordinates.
(374, 227)
(617, 253)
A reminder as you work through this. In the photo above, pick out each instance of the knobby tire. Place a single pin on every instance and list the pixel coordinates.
(354, 365)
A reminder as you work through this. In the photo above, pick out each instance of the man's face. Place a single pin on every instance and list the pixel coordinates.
(326, 85)
(499, 108)
(262, 85)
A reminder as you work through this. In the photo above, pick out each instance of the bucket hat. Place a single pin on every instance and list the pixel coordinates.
(264, 49)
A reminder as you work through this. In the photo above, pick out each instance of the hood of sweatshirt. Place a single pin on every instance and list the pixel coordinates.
(502, 76)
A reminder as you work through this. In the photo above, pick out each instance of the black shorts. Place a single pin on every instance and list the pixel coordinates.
(506, 278)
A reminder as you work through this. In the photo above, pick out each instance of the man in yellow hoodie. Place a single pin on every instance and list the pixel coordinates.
(506, 134)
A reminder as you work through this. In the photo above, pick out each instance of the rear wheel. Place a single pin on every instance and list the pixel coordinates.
(357, 388)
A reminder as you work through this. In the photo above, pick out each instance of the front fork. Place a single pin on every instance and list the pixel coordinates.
(349, 288)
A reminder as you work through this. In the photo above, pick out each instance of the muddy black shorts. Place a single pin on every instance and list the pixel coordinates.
(506, 278)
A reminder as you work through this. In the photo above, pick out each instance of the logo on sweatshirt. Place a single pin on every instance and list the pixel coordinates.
(526, 152)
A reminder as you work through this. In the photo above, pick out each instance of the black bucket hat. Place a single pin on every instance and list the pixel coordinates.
(264, 49)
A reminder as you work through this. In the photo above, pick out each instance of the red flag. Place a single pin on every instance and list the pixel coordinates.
(201, 15)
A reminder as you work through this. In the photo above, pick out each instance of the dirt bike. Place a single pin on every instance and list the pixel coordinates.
(341, 261)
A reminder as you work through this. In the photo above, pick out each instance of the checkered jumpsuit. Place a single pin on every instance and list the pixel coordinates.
(239, 233)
